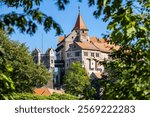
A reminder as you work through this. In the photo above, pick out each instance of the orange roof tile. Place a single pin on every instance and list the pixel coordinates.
(87, 45)
(80, 24)
(61, 38)
(93, 39)
(105, 47)
(42, 91)
(102, 40)
(46, 91)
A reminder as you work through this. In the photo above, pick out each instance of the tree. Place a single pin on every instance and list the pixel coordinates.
(77, 82)
(6, 83)
(25, 74)
(129, 25)
(27, 20)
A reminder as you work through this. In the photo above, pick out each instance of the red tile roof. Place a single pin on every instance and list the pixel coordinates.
(93, 39)
(105, 47)
(60, 39)
(46, 91)
(80, 24)
(101, 40)
(87, 46)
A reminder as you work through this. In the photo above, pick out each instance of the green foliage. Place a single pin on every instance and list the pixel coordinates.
(28, 20)
(98, 85)
(55, 96)
(6, 84)
(77, 82)
(26, 74)
(129, 25)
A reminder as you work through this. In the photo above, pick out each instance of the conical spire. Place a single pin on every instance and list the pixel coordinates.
(80, 25)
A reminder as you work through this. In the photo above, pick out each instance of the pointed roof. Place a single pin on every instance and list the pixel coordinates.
(80, 25)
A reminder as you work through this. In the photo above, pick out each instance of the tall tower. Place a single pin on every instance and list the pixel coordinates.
(81, 29)
(49, 59)
(37, 56)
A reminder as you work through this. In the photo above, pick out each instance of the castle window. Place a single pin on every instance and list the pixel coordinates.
(92, 54)
(85, 53)
(97, 54)
(83, 31)
(68, 54)
(52, 61)
(77, 53)
(74, 46)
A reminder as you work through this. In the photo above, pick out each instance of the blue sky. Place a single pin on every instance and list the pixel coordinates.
(66, 19)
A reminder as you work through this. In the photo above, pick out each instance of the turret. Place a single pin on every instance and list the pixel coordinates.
(37, 56)
(81, 29)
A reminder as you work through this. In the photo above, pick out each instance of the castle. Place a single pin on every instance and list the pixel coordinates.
(77, 46)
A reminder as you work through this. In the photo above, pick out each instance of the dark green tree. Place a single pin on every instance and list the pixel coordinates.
(25, 74)
(6, 83)
(129, 27)
(77, 82)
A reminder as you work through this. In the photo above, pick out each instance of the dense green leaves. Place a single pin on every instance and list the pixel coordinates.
(61, 3)
(6, 83)
(77, 82)
(129, 27)
(55, 96)
(25, 74)
(27, 21)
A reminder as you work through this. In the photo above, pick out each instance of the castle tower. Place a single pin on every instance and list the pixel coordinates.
(50, 59)
(81, 29)
(37, 56)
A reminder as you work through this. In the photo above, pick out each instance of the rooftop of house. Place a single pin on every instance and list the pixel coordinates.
(86, 46)
(46, 91)
(60, 39)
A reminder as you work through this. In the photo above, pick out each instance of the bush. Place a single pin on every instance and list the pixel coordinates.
(55, 96)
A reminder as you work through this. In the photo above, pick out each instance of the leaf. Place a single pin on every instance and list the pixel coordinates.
(9, 68)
